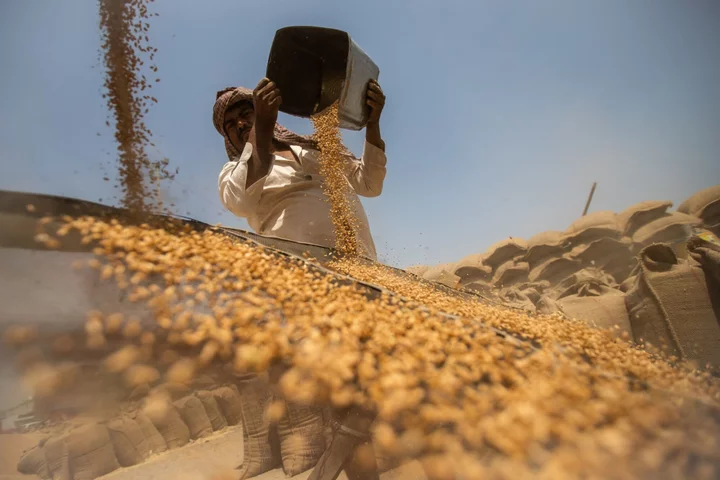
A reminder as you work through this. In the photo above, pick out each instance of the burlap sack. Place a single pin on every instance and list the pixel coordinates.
(606, 311)
(620, 266)
(704, 204)
(673, 304)
(706, 251)
(514, 298)
(83, 454)
(193, 413)
(511, 273)
(589, 287)
(228, 399)
(555, 270)
(471, 269)
(435, 271)
(141, 391)
(131, 446)
(217, 419)
(547, 305)
(503, 251)
(155, 441)
(671, 228)
(543, 246)
(57, 458)
(170, 425)
(593, 226)
(33, 463)
(258, 449)
(448, 279)
(204, 382)
(468, 275)
(533, 291)
(601, 251)
(175, 391)
(627, 284)
(586, 274)
(640, 214)
(328, 425)
(418, 270)
(481, 288)
(302, 440)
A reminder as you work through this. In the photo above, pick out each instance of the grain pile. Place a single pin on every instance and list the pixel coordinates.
(335, 184)
(124, 25)
(447, 390)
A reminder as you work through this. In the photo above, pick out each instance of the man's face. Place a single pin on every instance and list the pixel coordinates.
(239, 120)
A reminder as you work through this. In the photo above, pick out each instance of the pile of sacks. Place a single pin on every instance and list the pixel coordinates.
(275, 433)
(90, 451)
(635, 271)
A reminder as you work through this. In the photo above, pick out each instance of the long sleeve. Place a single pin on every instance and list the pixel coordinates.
(368, 174)
(231, 185)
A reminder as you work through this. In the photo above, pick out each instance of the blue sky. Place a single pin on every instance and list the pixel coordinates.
(500, 114)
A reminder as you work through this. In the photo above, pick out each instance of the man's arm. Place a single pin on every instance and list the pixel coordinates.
(240, 199)
(367, 175)
(266, 102)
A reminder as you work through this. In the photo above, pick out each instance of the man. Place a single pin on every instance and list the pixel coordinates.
(273, 176)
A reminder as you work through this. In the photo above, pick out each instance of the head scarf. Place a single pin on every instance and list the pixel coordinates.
(232, 95)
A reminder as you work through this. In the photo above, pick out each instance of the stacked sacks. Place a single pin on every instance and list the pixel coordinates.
(672, 228)
(83, 454)
(503, 260)
(230, 404)
(704, 205)
(544, 246)
(591, 227)
(212, 409)
(612, 255)
(165, 417)
(193, 413)
(504, 251)
(33, 462)
(555, 270)
(597, 240)
(474, 275)
(259, 454)
(472, 269)
(302, 440)
(131, 445)
(588, 274)
(156, 442)
(597, 303)
(633, 218)
(442, 274)
(418, 270)
(511, 273)
(97, 449)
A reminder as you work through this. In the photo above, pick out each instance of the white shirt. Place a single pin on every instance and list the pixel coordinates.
(289, 201)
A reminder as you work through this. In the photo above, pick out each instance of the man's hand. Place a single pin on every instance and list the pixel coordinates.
(376, 101)
(266, 103)
(266, 100)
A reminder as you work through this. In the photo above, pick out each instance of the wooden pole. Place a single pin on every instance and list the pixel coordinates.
(587, 205)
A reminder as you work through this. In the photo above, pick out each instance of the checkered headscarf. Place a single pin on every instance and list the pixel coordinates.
(228, 97)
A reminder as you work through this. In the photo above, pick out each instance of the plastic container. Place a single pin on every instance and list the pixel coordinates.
(314, 67)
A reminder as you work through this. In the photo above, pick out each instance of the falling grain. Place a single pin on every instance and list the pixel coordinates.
(124, 25)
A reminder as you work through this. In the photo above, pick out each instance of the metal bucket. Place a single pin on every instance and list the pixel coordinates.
(315, 67)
